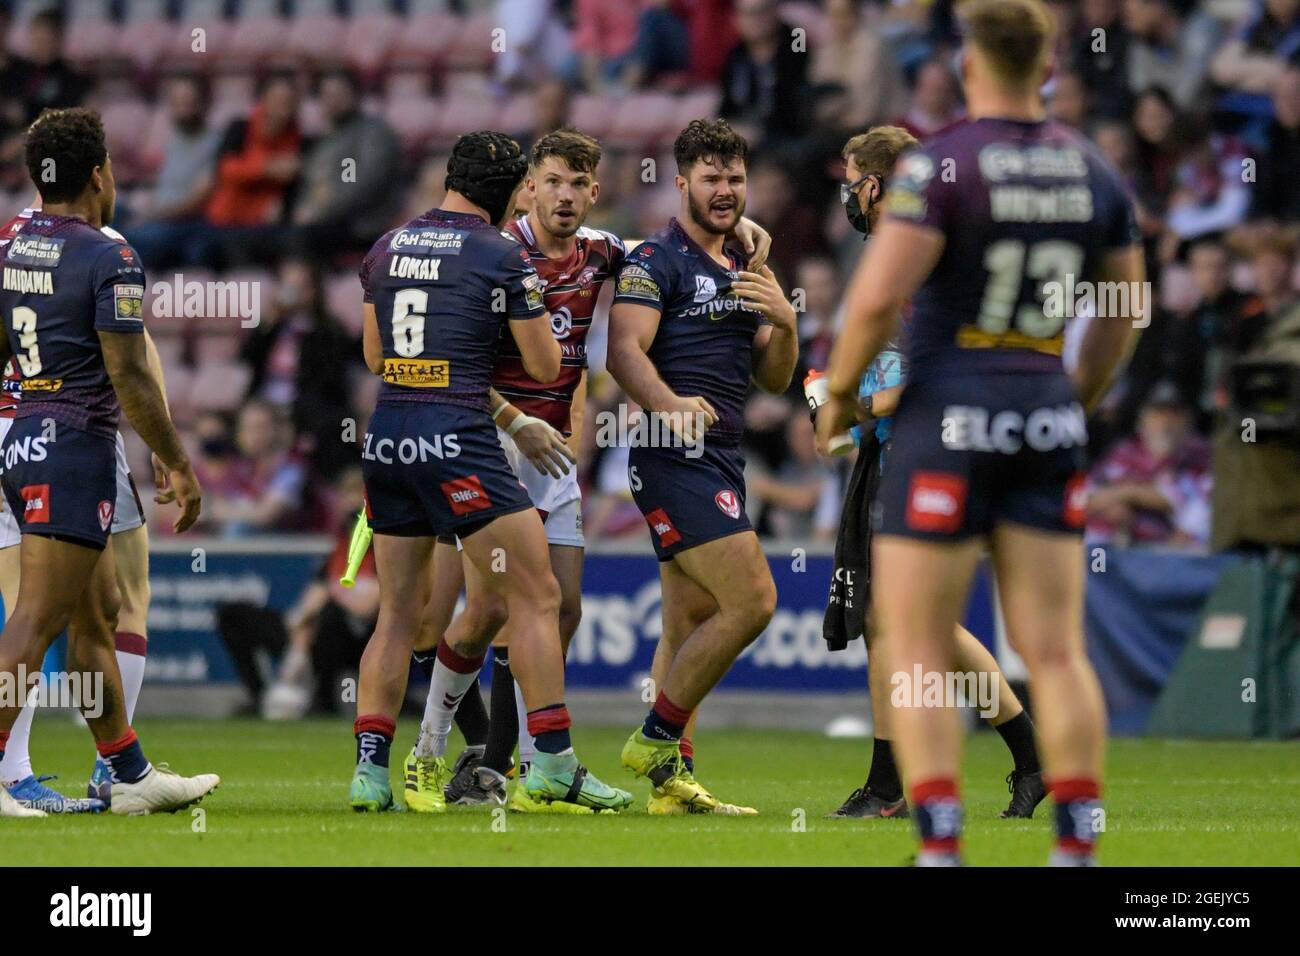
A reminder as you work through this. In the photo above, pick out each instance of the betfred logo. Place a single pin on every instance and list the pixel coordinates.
(936, 502)
(466, 495)
(661, 525)
(728, 503)
(1076, 500)
(105, 514)
(37, 510)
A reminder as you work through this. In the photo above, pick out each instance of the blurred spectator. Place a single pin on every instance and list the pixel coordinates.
(538, 46)
(303, 361)
(855, 78)
(551, 106)
(1167, 49)
(764, 80)
(1210, 194)
(1100, 57)
(257, 162)
(320, 639)
(1068, 103)
(1277, 187)
(787, 501)
(171, 230)
(712, 30)
(13, 112)
(1157, 155)
(1213, 334)
(1154, 488)
(349, 191)
(662, 49)
(817, 279)
(604, 33)
(47, 81)
(936, 101)
(1252, 62)
(261, 487)
(796, 226)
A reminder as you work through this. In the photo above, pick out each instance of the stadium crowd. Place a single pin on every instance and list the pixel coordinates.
(268, 142)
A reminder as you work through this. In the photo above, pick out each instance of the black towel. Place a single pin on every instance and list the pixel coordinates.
(850, 590)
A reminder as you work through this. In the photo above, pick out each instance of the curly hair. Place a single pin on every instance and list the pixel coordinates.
(486, 167)
(63, 149)
(711, 140)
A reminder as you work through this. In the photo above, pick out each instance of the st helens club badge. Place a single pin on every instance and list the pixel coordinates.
(728, 503)
(105, 514)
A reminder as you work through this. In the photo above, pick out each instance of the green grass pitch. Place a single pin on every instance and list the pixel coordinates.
(284, 785)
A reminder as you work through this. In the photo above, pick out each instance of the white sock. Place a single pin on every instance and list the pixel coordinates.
(17, 764)
(131, 664)
(527, 745)
(446, 689)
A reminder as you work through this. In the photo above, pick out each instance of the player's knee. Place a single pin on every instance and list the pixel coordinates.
(541, 595)
(754, 607)
(1049, 654)
(570, 615)
(486, 615)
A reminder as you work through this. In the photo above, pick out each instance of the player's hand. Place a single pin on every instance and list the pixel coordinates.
(164, 493)
(185, 486)
(543, 445)
(763, 293)
(838, 415)
(690, 417)
(755, 240)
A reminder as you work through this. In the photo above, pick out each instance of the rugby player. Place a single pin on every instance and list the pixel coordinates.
(71, 298)
(989, 435)
(131, 552)
(439, 293)
(868, 160)
(539, 426)
(688, 330)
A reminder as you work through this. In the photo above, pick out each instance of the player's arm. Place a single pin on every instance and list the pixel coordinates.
(164, 493)
(372, 346)
(776, 346)
(1107, 342)
(537, 346)
(632, 329)
(578, 412)
(755, 240)
(543, 445)
(898, 259)
(126, 357)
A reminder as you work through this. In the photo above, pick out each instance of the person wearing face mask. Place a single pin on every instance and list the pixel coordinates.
(868, 160)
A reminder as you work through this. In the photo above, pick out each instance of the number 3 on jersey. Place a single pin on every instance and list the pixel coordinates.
(409, 306)
(29, 359)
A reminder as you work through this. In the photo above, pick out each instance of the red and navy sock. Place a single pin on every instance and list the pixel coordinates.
(125, 758)
(687, 747)
(1078, 814)
(666, 721)
(374, 734)
(423, 661)
(549, 727)
(938, 815)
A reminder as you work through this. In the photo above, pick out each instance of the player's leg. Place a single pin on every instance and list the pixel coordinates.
(566, 563)
(401, 564)
(17, 764)
(918, 590)
(734, 572)
(882, 793)
(137, 787)
(130, 641)
(1040, 578)
(458, 658)
(512, 555)
(1011, 721)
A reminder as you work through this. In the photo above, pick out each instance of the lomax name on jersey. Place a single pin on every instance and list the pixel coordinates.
(29, 280)
(425, 241)
(414, 267)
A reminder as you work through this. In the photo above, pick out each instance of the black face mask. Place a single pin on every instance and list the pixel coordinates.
(853, 210)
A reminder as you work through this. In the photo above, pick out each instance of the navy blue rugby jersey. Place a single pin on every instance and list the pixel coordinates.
(443, 287)
(705, 341)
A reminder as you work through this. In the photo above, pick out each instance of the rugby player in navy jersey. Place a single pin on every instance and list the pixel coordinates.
(71, 299)
(439, 292)
(688, 329)
(868, 159)
(989, 435)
